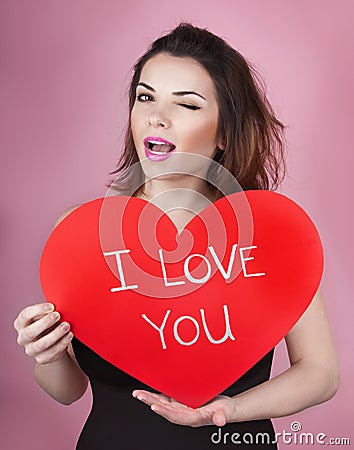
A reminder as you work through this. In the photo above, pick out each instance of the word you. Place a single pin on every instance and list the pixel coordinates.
(228, 332)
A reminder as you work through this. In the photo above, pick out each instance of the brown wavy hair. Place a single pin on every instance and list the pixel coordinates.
(253, 138)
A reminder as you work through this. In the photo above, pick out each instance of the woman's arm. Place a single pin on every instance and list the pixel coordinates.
(63, 380)
(49, 342)
(313, 378)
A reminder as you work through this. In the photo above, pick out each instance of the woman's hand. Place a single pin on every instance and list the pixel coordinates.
(218, 411)
(41, 334)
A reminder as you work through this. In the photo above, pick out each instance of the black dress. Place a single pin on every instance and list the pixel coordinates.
(118, 421)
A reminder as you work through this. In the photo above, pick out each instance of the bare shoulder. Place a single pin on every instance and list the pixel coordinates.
(64, 214)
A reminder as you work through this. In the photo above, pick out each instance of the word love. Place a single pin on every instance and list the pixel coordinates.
(228, 332)
(225, 273)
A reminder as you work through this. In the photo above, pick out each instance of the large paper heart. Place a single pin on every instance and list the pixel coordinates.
(186, 313)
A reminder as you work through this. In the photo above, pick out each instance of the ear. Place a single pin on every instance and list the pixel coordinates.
(220, 145)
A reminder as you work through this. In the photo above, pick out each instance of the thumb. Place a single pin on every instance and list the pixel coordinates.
(219, 418)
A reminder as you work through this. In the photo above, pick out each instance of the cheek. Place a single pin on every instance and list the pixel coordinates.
(202, 135)
(136, 119)
(133, 122)
(136, 134)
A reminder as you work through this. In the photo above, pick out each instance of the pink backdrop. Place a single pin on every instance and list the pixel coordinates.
(64, 74)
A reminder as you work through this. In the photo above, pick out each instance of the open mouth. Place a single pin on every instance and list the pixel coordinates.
(158, 147)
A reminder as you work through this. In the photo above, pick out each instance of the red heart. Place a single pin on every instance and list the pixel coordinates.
(183, 359)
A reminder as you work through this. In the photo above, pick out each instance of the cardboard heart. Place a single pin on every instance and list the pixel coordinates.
(186, 313)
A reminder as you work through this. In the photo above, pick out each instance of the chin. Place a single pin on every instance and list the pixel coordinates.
(177, 166)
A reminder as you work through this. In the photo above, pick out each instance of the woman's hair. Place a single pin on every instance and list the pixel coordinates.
(252, 137)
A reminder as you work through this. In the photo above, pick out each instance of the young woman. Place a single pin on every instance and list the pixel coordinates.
(192, 99)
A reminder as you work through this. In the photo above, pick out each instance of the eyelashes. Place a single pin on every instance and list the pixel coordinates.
(193, 107)
(143, 98)
(140, 98)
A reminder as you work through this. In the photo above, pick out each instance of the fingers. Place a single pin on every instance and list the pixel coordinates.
(181, 414)
(181, 417)
(177, 403)
(33, 348)
(56, 351)
(41, 333)
(33, 331)
(190, 417)
(150, 397)
(167, 407)
(30, 312)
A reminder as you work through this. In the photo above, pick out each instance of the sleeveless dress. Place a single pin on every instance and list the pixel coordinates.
(118, 421)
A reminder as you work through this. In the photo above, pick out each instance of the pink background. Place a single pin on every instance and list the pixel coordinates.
(64, 75)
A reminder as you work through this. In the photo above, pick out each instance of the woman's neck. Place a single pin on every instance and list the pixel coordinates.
(181, 197)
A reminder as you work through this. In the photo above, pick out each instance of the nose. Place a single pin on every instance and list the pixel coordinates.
(158, 119)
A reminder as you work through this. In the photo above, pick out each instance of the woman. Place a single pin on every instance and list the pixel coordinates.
(192, 99)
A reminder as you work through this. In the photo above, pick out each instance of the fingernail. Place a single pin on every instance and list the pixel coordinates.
(49, 307)
(65, 326)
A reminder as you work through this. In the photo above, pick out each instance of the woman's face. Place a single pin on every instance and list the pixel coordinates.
(175, 113)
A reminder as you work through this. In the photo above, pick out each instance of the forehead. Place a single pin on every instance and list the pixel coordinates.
(169, 72)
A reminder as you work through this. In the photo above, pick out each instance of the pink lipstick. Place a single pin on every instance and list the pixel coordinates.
(157, 148)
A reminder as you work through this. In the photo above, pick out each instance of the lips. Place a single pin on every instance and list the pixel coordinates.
(157, 148)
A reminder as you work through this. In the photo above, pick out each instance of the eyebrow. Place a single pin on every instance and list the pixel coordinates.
(179, 93)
